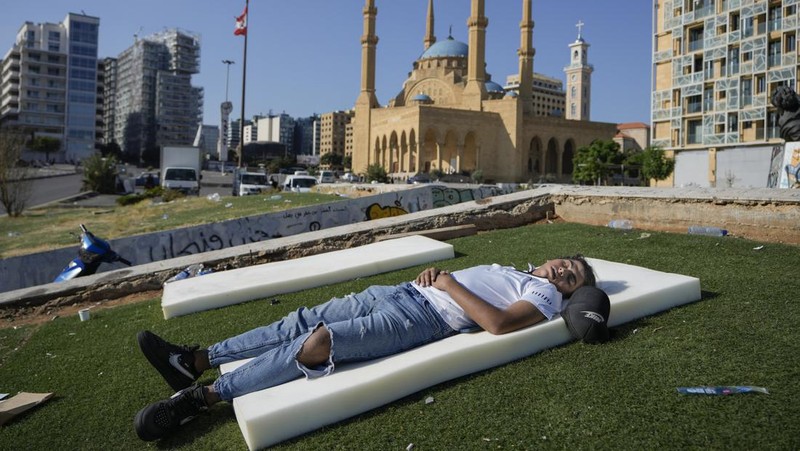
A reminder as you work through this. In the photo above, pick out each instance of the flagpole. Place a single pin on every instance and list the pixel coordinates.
(244, 80)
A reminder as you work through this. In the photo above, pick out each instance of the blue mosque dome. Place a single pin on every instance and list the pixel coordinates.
(447, 48)
(421, 98)
(494, 87)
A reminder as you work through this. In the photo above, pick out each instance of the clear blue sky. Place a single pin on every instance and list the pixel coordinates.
(304, 55)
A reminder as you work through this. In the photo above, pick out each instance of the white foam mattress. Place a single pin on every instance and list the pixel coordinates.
(257, 282)
(270, 416)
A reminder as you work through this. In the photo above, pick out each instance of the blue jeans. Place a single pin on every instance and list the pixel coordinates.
(379, 321)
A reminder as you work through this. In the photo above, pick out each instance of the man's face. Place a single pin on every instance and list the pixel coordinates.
(567, 275)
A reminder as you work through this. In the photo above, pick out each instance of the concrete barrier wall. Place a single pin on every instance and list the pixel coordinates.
(40, 268)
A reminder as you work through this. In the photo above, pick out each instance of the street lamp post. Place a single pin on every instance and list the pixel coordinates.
(225, 111)
(227, 75)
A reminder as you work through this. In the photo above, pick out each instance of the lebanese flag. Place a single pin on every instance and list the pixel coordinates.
(241, 24)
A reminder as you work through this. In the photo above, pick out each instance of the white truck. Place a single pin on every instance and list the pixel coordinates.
(180, 168)
(245, 183)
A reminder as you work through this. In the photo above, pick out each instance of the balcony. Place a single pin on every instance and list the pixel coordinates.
(696, 45)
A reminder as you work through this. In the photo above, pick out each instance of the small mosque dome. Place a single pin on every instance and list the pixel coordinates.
(447, 48)
(422, 99)
(492, 87)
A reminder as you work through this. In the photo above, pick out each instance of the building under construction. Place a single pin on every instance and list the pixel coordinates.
(155, 103)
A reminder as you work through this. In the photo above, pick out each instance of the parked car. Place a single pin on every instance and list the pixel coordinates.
(420, 177)
(349, 177)
(326, 177)
(299, 183)
(141, 179)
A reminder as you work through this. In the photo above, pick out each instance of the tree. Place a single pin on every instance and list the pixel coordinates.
(347, 161)
(45, 144)
(592, 163)
(655, 164)
(112, 149)
(15, 180)
(333, 160)
(100, 174)
(377, 173)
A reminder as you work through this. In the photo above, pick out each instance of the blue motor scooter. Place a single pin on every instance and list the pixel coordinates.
(92, 253)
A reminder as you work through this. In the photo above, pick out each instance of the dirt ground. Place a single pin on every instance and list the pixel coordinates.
(24, 316)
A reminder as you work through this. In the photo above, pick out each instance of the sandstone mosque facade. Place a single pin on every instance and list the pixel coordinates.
(450, 116)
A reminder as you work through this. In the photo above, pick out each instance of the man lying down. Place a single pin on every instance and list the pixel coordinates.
(380, 321)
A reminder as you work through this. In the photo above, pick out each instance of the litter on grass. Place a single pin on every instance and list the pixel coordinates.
(722, 390)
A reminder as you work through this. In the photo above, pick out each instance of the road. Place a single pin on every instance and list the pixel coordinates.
(49, 189)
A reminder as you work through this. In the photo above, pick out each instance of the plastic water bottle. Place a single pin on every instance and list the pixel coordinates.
(704, 230)
(622, 224)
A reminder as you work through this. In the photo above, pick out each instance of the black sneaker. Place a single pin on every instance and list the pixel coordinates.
(175, 363)
(165, 417)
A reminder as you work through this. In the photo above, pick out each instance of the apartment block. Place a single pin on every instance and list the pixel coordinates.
(155, 103)
(716, 64)
(333, 131)
(549, 97)
(49, 84)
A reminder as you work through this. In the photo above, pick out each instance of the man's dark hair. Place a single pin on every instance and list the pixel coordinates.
(590, 280)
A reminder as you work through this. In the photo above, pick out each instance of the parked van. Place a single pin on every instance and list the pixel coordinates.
(245, 183)
(299, 183)
(326, 177)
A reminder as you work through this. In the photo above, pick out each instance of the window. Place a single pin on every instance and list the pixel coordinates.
(774, 53)
(790, 43)
(747, 27)
(761, 84)
(747, 92)
(54, 36)
(695, 131)
(775, 18)
(734, 21)
(696, 39)
(694, 104)
(733, 122)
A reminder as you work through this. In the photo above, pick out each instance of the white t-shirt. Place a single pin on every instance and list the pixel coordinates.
(498, 285)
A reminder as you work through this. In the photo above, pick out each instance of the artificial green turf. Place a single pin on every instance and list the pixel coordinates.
(617, 395)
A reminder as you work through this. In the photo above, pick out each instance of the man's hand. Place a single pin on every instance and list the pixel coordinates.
(430, 277)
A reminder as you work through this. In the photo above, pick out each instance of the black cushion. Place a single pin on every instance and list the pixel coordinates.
(586, 315)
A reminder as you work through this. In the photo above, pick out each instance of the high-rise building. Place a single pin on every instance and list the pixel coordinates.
(277, 128)
(109, 74)
(332, 132)
(49, 83)
(305, 136)
(716, 65)
(549, 98)
(156, 104)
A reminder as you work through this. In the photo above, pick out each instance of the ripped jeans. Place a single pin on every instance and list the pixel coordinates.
(379, 321)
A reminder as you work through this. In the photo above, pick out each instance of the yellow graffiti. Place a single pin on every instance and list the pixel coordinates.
(376, 211)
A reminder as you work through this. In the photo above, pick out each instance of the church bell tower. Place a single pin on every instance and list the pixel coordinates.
(579, 80)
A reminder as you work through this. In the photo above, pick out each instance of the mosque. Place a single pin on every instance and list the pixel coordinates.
(450, 116)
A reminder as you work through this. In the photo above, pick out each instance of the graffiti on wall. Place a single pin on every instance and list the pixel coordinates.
(378, 211)
(444, 196)
(36, 269)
